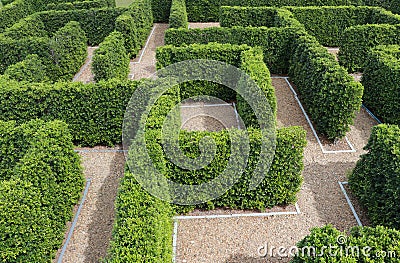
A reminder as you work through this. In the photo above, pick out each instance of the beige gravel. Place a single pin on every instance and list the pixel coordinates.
(203, 25)
(92, 234)
(85, 74)
(144, 66)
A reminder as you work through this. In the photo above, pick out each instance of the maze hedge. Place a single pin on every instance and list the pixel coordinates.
(40, 180)
(376, 179)
(330, 96)
(94, 112)
(381, 80)
(79, 5)
(362, 244)
(247, 16)
(143, 227)
(31, 69)
(111, 60)
(358, 40)
(178, 16)
(135, 25)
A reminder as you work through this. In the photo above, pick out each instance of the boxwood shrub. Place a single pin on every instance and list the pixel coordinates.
(38, 190)
(178, 16)
(375, 181)
(94, 112)
(381, 80)
(241, 56)
(330, 96)
(143, 226)
(30, 26)
(31, 69)
(275, 42)
(87, 4)
(135, 25)
(362, 244)
(358, 40)
(247, 16)
(111, 59)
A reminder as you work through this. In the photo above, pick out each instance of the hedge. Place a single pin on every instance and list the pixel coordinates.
(31, 69)
(30, 26)
(243, 56)
(97, 23)
(358, 40)
(330, 96)
(79, 5)
(178, 15)
(111, 59)
(275, 42)
(375, 181)
(143, 227)
(381, 80)
(362, 244)
(161, 10)
(94, 112)
(247, 16)
(135, 25)
(62, 55)
(41, 185)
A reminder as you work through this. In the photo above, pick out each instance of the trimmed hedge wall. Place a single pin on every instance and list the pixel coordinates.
(178, 16)
(30, 26)
(79, 5)
(111, 60)
(40, 181)
(247, 16)
(330, 96)
(62, 55)
(275, 42)
(381, 80)
(376, 179)
(327, 249)
(31, 69)
(243, 56)
(135, 25)
(358, 40)
(94, 112)
(143, 227)
(97, 23)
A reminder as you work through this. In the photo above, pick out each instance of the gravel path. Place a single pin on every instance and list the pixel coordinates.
(85, 74)
(144, 66)
(320, 200)
(92, 233)
(203, 25)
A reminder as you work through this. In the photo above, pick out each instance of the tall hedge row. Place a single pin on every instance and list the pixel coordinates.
(111, 59)
(275, 42)
(94, 112)
(143, 226)
(42, 181)
(178, 15)
(30, 26)
(381, 80)
(62, 55)
(87, 4)
(362, 244)
(331, 97)
(30, 69)
(376, 179)
(358, 40)
(247, 16)
(242, 56)
(97, 23)
(135, 25)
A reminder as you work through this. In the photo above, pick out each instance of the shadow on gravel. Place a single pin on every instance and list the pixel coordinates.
(248, 259)
(100, 229)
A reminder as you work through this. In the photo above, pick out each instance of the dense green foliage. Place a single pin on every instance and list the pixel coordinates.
(251, 62)
(247, 16)
(97, 23)
(40, 180)
(381, 80)
(31, 69)
(111, 60)
(376, 179)
(94, 112)
(358, 40)
(330, 96)
(362, 244)
(275, 42)
(178, 15)
(62, 55)
(135, 25)
(30, 26)
(87, 4)
(143, 227)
